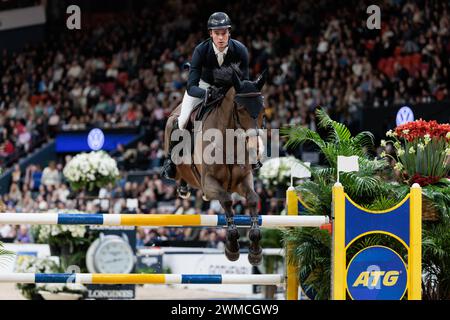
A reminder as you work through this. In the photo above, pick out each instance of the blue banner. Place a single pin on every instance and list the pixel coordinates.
(78, 141)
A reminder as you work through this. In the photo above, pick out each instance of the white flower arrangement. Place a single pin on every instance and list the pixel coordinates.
(277, 171)
(32, 264)
(61, 287)
(44, 232)
(92, 169)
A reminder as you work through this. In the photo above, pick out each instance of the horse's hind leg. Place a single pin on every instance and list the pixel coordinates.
(213, 190)
(255, 250)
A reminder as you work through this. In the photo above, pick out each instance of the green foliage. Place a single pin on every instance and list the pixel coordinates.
(5, 255)
(377, 240)
(147, 270)
(271, 238)
(313, 255)
(436, 244)
(436, 260)
(339, 140)
(439, 195)
(366, 187)
(422, 155)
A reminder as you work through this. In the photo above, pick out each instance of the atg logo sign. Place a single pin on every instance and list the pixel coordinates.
(376, 273)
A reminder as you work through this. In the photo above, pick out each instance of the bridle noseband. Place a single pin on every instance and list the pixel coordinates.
(238, 122)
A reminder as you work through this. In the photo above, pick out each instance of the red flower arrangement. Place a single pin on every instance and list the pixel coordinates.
(420, 128)
(423, 151)
(422, 180)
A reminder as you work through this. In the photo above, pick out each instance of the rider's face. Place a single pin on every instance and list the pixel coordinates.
(220, 37)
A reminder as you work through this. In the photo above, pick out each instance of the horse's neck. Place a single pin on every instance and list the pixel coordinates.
(225, 120)
(220, 118)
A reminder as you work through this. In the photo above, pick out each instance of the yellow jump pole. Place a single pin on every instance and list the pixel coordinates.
(291, 268)
(338, 254)
(415, 246)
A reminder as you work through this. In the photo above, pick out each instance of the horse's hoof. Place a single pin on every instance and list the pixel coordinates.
(255, 259)
(232, 256)
(255, 254)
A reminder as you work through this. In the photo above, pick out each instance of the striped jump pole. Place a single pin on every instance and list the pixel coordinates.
(166, 220)
(104, 278)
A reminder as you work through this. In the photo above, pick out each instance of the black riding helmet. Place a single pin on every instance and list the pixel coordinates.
(219, 20)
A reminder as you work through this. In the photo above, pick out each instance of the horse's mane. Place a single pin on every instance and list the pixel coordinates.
(223, 76)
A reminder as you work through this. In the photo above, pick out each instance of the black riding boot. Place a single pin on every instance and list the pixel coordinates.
(169, 169)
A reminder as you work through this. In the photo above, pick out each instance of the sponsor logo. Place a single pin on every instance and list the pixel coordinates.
(96, 139)
(376, 273)
(404, 115)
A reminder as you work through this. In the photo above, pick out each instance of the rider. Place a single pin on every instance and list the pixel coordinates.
(217, 51)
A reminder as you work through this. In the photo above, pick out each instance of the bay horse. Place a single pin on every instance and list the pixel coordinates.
(242, 107)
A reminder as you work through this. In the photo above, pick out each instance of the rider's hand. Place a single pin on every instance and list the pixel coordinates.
(213, 93)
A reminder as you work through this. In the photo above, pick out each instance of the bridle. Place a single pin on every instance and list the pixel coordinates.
(237, 120)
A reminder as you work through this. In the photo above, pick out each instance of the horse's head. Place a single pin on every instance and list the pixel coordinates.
(249, 110)
(249, 101)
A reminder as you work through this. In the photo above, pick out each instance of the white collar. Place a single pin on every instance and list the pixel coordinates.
(216, 51)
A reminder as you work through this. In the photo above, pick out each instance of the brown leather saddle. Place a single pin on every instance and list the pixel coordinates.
(201, 111)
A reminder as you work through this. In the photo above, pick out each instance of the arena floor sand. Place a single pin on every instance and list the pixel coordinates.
(9, 291)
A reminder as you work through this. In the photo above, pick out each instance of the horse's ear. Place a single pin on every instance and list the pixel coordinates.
(237, 84)
(261, 80)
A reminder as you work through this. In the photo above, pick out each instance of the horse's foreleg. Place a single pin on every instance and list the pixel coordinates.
(255, 250)
(213, 190)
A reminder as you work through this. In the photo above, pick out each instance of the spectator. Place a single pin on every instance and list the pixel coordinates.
(14, 193)
(23, 235)
(185, 208)
(16, 175)
(51, 176)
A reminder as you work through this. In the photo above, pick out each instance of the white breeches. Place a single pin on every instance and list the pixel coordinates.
(188, 104)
